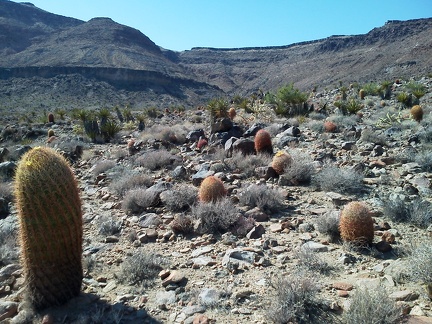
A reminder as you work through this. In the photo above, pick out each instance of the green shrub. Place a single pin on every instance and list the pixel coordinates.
(289, 101)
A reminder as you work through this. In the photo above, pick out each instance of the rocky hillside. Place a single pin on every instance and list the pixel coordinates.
(271, 247)
(45, 57)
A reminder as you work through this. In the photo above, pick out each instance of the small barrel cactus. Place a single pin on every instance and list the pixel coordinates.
(417, 113)
(263, 143)
(330, 127)
(356, 224)
(232, 113)
(281, 161)
(211, 189)
(50, 227)
(362, 94)
(50, 132)
(51, 118)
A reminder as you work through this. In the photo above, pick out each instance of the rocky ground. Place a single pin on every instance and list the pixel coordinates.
(142, 266)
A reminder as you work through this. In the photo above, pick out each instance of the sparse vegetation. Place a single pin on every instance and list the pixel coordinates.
(372, 306)
(263, 197)
(342, 180)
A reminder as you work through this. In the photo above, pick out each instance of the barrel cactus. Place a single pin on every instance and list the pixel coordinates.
(232, 113)
(211, 189)
(263, 143)
(281, 161)
(50, 227)
(417, 113)
(51, 118)
(362, 94)
(356, 224)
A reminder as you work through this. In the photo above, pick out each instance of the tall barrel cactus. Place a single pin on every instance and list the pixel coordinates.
(356, 224)
(50, 227)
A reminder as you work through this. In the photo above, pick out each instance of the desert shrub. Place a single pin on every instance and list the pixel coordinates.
(328, 224)
(426, 135)
(295, 300)
(371, 89)
(309, 260)
(301, 168)
(214, 217)
(141, 268)
(424, 159)
(350, 106)
(372, 306)
(416, 88)
(108, 225)
(289, 101)
(126, 180)
(421, 213)
(182, 223)
(344, 120)
(420, 262)
(137, 200)
(317, 116)
(368, 135)
(417, 212)
(103, 166)
(180, 198)
(247, 164)
(404, 98)
(265, 198)
(341, 180)
(154, 160)
(316, 126)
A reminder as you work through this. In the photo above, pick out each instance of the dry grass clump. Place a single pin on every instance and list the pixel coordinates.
(372, 306)
(368, 135)
(103, 166)
(214, 217)
(420, 262)
(247, 164)
(154, 160)
(137, 200)
(295, 300)
(265, 198)
(127, 180)
(417, 212)
(108, 224)
(341, 180)
(301, 168)
(310, 261)
(180, 198)
(328, 224)
(424, 159)
(141, 268)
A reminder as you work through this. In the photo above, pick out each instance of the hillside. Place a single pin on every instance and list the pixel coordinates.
(45, 58)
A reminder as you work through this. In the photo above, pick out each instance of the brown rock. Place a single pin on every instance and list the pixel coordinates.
(174, 277)
(404, 295)
(201, 319)
(342, 286)
(342, 293)
(383, 246)
(388, 237)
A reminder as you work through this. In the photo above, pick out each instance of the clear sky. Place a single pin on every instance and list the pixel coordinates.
(182, 24)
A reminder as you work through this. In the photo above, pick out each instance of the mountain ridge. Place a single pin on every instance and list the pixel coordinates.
(32, 38)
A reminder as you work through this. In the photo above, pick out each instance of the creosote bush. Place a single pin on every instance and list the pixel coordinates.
(261, 196)
(341, 180)
(372, 306)
(420, 262)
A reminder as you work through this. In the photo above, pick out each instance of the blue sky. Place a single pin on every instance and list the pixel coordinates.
(181, 25)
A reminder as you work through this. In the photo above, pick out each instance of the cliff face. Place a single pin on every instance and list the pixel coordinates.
(37, 46)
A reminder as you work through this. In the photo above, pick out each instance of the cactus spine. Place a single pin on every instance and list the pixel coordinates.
(50, 227)
(211, 189)
(263, 142)
(356, 224)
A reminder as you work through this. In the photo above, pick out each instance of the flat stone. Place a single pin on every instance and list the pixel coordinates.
(203, 261)
(209, 296)
(342, 286)
(165, 297)
(276, 227)
(201, 250)
(315, 246)
(404, 295)
(191, 310)
(110, 286)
